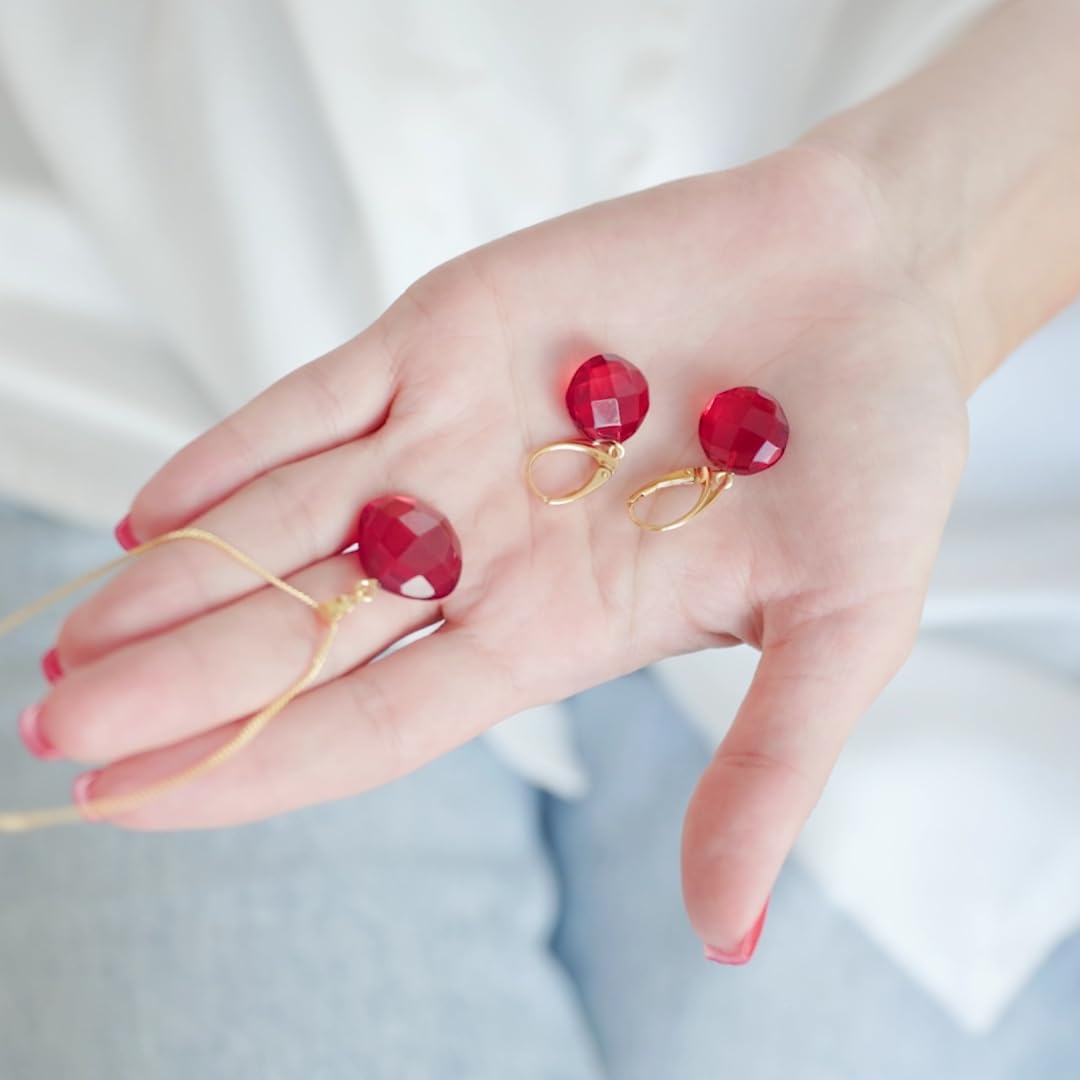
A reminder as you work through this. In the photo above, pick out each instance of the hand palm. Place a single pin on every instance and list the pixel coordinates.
(775, 275)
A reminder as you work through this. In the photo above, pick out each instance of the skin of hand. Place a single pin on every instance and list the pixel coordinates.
(868, 278)
(781, 274)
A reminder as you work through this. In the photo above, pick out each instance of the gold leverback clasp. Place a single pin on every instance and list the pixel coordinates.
(606, 454)
(711, 482)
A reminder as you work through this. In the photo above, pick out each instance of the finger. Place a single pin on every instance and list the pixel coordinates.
(330, 401)
(218, 668)
(811, 686)
(355, 733)
(285, 520)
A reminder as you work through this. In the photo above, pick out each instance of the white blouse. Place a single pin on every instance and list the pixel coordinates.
(195, 198)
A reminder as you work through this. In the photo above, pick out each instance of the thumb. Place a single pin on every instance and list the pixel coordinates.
(813, 682)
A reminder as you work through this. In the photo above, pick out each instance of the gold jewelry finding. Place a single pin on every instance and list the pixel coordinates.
(711, 482)
(607, 455)
(331, 612)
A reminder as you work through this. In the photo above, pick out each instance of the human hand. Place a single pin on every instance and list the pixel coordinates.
(782, 274)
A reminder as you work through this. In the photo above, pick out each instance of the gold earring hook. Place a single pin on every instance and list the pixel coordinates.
(607, 456)
(711, 482)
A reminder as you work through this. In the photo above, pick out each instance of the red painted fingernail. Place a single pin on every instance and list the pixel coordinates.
(31, 734)
(124, 535)
(51, 667)
(82, 793)
(744, 950)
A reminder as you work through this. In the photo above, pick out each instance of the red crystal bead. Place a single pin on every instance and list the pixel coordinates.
(607, 398)
(408, 547)
(743, 430)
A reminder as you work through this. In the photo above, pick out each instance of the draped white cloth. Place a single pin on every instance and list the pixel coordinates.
(196, 197)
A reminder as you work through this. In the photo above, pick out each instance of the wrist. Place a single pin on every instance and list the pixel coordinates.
(976, 177)
(924, 235)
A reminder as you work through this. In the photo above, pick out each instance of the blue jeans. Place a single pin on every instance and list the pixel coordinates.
(457, 923)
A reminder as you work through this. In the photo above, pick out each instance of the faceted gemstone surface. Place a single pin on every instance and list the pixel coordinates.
(608, 398)
(743, 430)
(408, 547)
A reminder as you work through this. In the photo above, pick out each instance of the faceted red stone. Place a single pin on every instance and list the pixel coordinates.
(608, 398)
(743, 430)
(408, 547)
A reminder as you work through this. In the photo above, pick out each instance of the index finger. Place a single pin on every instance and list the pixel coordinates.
(339, 397)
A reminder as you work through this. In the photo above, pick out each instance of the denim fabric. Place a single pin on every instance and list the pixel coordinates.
(455, 924)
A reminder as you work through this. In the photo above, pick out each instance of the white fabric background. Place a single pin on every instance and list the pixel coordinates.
(197, 197)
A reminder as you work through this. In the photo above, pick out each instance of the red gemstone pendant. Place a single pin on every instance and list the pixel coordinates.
(607, 398)
(743, 431)
(408, 547)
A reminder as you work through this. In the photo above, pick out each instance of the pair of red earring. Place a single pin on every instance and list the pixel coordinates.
(742, 431)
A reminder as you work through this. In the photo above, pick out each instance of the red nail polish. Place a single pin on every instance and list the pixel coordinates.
(82, 791)
(51, 667)
(125, 537)
(744, 950)
(32, 736)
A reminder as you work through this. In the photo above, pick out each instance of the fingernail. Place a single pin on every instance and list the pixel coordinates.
(744, 950)
(82, 791)
(51, 667)
(124, 535)
(31, 734)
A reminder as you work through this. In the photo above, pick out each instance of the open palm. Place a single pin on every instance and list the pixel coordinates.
(779, 275)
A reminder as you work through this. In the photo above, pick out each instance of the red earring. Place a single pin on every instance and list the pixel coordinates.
(742, 431)
(607, 399)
